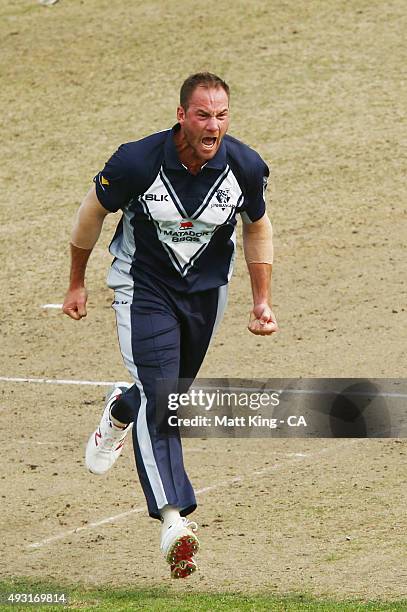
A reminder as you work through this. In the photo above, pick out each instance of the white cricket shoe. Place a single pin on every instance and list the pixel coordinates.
(106, 443)
(179, 545)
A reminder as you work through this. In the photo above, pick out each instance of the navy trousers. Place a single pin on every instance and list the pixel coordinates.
(163, 334)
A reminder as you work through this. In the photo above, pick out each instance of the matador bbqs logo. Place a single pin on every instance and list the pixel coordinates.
(222, 197)
(185, 232)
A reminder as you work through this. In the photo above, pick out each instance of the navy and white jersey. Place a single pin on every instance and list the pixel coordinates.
(178, 227)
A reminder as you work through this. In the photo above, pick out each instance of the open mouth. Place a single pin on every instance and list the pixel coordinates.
(209, 142)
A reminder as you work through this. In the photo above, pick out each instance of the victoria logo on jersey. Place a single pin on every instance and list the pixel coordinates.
(222, 197)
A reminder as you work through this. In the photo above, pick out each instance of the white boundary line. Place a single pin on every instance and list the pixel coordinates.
(104, 383)
(226, 483)
(55, 381)
(347, 393)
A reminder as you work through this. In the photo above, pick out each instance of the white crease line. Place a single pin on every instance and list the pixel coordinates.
(116, 517)
(283, 392)
(184, 450)
(51, 306)
(64, 534)
(225, 483)
(96, 383)
(343, 392)
(25, 442)
(53, 381)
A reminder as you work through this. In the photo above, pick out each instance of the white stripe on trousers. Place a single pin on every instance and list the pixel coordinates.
(222, 303)
(123, 320)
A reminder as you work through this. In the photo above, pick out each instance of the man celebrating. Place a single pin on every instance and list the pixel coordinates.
(179, 192)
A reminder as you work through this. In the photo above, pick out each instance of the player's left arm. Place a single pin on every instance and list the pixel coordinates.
(258, 250)
(258, 246)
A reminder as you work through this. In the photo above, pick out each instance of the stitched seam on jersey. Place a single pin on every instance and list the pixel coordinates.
(173, 195)
(210, 193)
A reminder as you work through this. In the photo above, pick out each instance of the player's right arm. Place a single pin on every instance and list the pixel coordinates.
(86, 231)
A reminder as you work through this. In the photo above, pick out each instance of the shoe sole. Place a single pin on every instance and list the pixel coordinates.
(183, 568)
(182, 549)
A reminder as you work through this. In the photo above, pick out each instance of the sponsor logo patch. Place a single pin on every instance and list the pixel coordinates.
(156, 197)
(185, 233)
(186, 225)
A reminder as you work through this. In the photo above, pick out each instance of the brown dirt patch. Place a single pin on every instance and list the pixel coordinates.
(317, 89)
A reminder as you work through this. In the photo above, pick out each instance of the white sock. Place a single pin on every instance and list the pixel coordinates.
(118, 423)
(169, 515)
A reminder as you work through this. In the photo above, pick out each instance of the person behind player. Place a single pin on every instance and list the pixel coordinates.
(179, 192)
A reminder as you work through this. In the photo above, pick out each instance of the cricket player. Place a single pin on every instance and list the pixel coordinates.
(179, 192)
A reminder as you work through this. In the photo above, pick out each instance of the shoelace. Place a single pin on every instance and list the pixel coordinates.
(110, 439)
(181, 521)
(189, 524)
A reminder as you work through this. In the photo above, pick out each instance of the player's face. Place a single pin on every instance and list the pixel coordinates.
(205, 122)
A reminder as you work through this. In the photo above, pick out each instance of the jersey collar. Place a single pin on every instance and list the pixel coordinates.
(172, 160)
